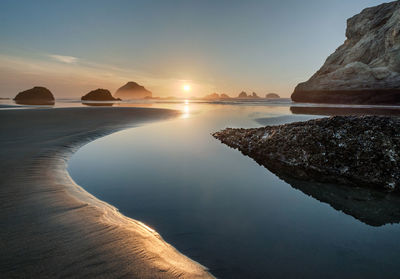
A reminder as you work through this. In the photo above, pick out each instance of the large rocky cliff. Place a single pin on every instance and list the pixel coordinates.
(366, 68)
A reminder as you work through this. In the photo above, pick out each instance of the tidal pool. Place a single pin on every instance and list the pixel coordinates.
(225, 211)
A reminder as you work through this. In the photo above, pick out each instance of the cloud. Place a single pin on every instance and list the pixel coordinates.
(64, 58)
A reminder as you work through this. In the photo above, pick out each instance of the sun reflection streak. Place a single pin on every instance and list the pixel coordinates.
(148, 228)
(186, 110)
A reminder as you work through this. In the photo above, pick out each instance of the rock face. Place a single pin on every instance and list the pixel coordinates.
(99, 95)
(351, 150)
(35, 96)
(132, 90)
(366, 68)
(272, 96)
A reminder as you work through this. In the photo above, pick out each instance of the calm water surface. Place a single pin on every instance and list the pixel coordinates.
(222, 209)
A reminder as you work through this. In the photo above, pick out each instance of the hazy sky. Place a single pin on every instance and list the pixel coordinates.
(72, 47)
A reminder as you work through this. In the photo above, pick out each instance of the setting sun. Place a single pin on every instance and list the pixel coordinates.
(186, 88)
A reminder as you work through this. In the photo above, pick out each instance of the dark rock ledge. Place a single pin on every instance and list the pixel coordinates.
(362, 151)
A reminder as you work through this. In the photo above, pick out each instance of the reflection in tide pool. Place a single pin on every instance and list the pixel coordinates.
(224, 210)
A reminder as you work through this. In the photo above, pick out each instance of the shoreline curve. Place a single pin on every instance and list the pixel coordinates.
(51, 226)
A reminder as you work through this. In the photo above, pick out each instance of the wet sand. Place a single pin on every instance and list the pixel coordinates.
(51, 227)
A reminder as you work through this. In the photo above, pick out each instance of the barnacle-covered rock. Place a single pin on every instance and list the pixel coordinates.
(352, 150)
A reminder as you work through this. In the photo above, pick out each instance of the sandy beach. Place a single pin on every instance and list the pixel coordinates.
(51, 227)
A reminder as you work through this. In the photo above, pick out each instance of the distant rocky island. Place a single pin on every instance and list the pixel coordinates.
(272, 96)
(35, 96)
(242, 95)
(366, 68)
(99, 95)
(216, 96)
(351, 150)
(132, 90)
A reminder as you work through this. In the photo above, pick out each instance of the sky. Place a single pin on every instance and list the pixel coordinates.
(223, 46)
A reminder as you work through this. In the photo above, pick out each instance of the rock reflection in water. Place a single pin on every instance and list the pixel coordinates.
(372, 207)
(35, 102)
(345, 110)
(98, 104)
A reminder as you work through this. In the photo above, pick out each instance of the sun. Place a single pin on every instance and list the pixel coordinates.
(186, 88)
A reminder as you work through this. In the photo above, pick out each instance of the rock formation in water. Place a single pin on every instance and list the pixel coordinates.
(366, 68)
(272, 96)
(242, 95)
(35, 96)
(254, 95)
(132, 90)
(352, 150)
(216, 96)
(99, 95)
(213, 96)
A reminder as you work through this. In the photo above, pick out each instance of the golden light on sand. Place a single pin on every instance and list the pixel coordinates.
(186, 87)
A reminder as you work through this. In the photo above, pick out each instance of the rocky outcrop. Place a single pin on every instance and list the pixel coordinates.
(99, 95)
(366, 68)
(213, 96)
(351, 150)
(132, 90)
(272, 96)
(242, 95)
(35, 96)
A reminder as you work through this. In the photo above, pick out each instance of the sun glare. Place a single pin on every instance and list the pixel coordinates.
(186, 88)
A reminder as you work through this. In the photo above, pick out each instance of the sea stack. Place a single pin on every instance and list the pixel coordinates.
(366, 68)
(132, 90)
(35, 96)
(99, 95)
(213, 96)
(272, 96)
(242, 95)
